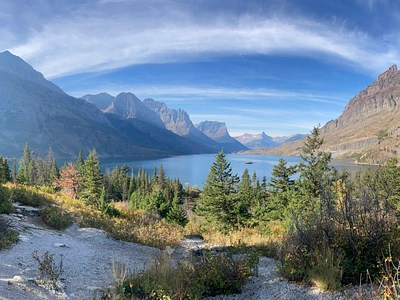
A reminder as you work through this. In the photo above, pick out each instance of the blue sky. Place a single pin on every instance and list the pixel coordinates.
(278, 66)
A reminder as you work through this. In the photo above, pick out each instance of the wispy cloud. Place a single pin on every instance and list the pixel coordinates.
(105, 36)
(193, 93)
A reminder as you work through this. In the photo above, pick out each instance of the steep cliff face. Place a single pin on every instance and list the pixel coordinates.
(368, 127)
(368, 130)
(219, 133)
(128, 106)
(178, 121)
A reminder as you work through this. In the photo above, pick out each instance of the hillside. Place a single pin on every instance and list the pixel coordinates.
(35, 110)
(368, 130)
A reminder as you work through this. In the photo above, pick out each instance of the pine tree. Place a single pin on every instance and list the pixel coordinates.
(14, 171)
(92, 181)
(280, 177)
(246, 196)
(315, 164)
(5, 173)
(54, 171)
(132, 183)
(219, 195)
(161, 178)
(314, 178)
(42, 174)
(79, 164)
(23, 170)
(176, 214)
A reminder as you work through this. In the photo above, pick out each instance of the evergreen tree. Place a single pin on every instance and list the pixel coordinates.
(31, 172)
(54, 171)
(246, 197)
(42, 174)
(92, 181)
(176, 214)
(219, 195)
(314, 179)
(14, 171)
(79, 164)
(125, 182)
(315, 164)
(132, 183)
(280, 177)
(161, 178)
(5, 173)
(23, 170)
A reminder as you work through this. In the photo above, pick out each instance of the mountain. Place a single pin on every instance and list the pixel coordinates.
(128, 106)
(256, 141)
(368, 130)
(151, 136)
(178, 121)
(218, 132)
(287, 139)
(36, 111)
(102, 100)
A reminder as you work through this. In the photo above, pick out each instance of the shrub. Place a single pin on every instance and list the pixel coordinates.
(6, 206)
(56, 218)
(50, 271)
(350, 229)
(8, 236)
(209, 275)
(28, 196)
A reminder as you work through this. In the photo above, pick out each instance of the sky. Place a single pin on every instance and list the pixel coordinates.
(278, 66)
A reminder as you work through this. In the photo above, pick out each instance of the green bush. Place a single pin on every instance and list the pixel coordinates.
(27, 196)
(56, 218)
(209, 275)
(6, 206)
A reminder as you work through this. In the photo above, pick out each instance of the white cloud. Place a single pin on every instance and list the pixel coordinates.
(104, 37)
(192, 94)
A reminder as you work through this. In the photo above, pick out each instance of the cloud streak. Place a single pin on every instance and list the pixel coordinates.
(108, 36)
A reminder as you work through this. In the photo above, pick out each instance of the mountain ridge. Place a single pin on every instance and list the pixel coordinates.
(368, 130)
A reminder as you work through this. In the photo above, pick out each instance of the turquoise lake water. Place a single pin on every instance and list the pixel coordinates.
(193, 169)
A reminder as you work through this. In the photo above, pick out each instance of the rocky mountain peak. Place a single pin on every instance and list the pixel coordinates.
(389, 78)
(128, 106)
(213, 129)
(15, 66)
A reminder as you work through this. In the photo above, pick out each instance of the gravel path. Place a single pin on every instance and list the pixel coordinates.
(88, 266)
(268, 285)
(88, 261)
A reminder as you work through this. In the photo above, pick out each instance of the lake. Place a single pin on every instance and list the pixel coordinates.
(193, 169)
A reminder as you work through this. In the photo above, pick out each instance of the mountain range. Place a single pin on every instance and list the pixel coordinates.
(34, 110)
(262, 140)
(368, 130)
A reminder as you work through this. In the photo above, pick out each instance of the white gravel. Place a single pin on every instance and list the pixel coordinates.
(88, 258)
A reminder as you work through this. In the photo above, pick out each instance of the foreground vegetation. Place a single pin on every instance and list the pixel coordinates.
(326, 227)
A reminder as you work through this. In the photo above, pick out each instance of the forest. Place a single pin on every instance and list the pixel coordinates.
(324, 226)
